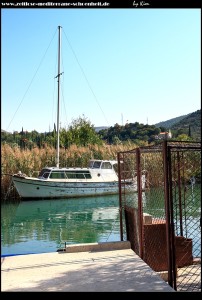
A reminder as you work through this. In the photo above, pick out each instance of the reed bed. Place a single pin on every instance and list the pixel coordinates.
(30, 162)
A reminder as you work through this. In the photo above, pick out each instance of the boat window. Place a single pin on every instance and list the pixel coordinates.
(90, 164)
(115, 166)
(44, 173)
(57, 175)
(87, 175)
(78, 174)
(106, 165)
(96, 164)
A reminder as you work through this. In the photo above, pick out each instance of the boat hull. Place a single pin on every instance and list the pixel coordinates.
(42, 189)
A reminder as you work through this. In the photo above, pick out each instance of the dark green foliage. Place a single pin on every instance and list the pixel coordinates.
(82, 133)
(190, 125)
(131, 131)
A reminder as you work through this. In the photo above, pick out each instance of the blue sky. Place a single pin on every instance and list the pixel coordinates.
(120, 65)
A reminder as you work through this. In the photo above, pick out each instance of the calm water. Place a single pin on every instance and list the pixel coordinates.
(46, 225)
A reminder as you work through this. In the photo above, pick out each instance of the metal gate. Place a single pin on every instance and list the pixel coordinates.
(162, 219)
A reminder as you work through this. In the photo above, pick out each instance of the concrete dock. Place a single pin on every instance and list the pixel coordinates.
(97, 267)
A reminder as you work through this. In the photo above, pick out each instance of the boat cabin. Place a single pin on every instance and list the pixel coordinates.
(76, 173)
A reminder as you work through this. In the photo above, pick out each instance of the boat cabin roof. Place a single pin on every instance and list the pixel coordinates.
(93, 164)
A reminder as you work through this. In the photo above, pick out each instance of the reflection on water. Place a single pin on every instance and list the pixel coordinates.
(45, 226)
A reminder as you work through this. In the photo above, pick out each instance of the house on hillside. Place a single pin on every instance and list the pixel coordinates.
(164, 135)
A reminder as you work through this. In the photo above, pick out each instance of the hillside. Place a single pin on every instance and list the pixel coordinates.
(4, 131)
(169, 123)
(97, 129)
(190, 125)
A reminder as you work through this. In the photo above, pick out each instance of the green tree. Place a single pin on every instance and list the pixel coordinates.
(183, 137)
(80, 132)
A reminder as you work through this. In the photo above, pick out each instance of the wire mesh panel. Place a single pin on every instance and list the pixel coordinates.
(128, 193)
(145, 209)
(162, 218)
(185, 199)
(154, 216)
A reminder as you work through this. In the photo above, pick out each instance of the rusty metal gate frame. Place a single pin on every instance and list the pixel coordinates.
(166, 149)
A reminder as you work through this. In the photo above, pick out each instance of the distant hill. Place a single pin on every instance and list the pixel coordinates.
(4, 131)
(194, 119)
(169, 123)
(187, 124)
(190, 125)
(97, 129)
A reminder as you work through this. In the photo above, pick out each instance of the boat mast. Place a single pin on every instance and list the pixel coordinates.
(58, 103)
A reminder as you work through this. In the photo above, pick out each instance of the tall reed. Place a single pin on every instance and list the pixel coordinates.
(30, 162)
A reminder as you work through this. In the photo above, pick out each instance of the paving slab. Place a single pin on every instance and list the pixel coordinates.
(90, 269)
